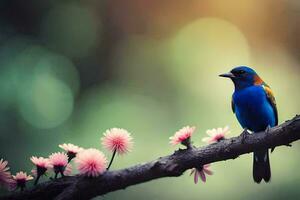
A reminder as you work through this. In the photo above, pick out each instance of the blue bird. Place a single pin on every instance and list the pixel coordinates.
(255, 108)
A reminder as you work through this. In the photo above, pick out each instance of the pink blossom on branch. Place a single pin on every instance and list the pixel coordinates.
(117, 139)
(42, 165)
(40, 162)
(58, 162)
(183, 136)
(216, 135)
(71, 150)
(91, 162)
(201, 172)
(6, 179)
(20, 180)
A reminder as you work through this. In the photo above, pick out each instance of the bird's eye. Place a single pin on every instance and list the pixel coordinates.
(241, 72)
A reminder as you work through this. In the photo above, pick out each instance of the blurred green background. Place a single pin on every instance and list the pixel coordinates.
(71, 69)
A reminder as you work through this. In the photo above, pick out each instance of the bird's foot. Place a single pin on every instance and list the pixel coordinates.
(268, 129)
(244, 135)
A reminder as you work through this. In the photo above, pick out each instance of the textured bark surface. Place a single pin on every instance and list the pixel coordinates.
(78, 187)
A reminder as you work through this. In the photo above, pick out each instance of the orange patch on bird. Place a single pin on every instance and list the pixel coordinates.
(268, 91)
(258, 80)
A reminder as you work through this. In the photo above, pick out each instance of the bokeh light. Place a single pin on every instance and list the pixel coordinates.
(46, 102)
(70, 28)
(206, 45)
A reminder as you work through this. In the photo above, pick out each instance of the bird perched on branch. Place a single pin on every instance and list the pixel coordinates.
(255, 108)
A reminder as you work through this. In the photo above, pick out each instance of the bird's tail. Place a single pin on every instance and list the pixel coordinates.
(261, 166)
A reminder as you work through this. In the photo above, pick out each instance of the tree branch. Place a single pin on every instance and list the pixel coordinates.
(78, 187)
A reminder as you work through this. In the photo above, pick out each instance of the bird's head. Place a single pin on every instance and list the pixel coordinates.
(243, 77)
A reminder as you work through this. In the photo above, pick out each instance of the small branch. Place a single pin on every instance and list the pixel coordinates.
(78, 187)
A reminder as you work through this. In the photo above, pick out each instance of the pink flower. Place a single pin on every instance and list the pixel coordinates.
(58, 161)
(21, 178)
(42, 165)
(71, 150)
(216, 135)
(6, 180)
(182, 136)
(200, 172)
(117, 139)
(40, 162)
(91, 162)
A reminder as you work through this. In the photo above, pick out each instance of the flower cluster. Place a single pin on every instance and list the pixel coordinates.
(183, 136)
(92, 162)
(89, 162)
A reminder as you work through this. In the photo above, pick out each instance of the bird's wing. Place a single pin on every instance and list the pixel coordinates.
(271, 99)
(232, 105)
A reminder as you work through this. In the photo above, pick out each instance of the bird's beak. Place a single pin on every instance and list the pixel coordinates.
(227, 75)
